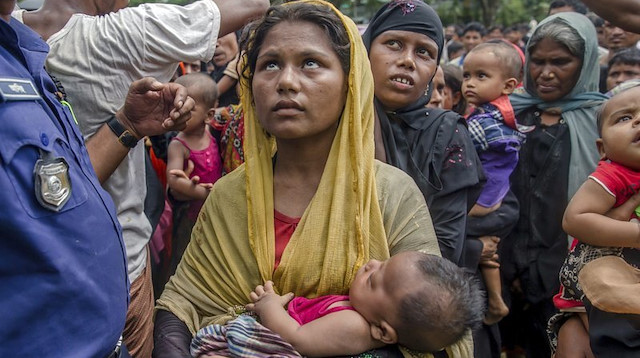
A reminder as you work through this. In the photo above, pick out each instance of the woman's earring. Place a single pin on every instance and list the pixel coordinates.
(426, 92)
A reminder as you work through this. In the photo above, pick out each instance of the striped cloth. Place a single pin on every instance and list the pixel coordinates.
(243, 337)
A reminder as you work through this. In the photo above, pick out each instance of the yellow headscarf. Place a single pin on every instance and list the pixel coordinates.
(232, 247)
(343, 223)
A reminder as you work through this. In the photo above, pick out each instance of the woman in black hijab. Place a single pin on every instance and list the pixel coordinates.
(405, 40)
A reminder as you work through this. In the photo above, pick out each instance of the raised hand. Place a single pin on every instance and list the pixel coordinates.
(152, 107)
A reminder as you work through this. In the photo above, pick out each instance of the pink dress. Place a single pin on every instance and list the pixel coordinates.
(305, 310)
(207, 164)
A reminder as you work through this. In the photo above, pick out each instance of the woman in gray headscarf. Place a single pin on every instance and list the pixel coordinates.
(561, 83)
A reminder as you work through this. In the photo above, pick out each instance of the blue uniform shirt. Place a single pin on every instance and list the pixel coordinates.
(63, 274)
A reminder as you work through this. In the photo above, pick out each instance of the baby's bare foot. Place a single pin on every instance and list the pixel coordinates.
(496, 311)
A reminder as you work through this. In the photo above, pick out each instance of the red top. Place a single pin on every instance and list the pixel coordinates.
(618, 180)
(284, 227)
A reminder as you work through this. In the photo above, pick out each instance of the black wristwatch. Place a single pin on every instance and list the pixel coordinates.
(124, 136)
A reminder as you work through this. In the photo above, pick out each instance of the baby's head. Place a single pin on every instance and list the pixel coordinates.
(619, 127)
(423, 302)
(490, 70)
(204, 91)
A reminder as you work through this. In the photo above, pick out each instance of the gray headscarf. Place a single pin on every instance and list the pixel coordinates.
(579, 106)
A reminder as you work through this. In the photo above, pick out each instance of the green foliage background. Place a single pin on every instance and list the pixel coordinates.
(503, 12)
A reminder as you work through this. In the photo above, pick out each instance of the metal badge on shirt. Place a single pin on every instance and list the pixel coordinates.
(52, 184)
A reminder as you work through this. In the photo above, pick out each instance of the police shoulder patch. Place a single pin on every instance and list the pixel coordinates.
(17, 89)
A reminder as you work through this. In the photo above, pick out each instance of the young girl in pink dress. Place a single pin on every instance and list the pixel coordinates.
(193, 161)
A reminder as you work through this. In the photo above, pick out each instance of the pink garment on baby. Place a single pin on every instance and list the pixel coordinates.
(305, 310)
(207, 164)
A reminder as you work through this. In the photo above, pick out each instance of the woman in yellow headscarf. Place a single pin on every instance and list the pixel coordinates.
(310, 205)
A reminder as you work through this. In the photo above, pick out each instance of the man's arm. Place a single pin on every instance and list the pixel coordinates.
(340, 333)
(235, 14)
(585, 219)
(622, 13)
(150, 108)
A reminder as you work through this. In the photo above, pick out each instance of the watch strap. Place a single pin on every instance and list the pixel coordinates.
(124, 136)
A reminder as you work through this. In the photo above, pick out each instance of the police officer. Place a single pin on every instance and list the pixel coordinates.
(63, 271)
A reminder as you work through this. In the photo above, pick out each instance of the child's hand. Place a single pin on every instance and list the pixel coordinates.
(489, 256)
(207, 186)
(624, 211)
(184, 174)
(489, 246)
(265, 298)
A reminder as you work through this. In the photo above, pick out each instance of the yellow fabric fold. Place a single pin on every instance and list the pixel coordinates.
(344, 212)
(232, 247)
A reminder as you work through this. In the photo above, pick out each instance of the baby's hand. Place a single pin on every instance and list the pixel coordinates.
(265, 298)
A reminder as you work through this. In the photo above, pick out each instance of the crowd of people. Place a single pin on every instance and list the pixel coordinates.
(216, 180)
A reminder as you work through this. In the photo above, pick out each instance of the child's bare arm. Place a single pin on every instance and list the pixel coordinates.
(225, 84)
(585, 219)
(479, 210)
(339, 333)
(182, 188)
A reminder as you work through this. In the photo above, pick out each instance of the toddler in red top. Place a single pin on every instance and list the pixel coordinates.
(589, 216)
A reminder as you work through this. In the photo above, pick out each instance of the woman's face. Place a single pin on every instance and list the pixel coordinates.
(553, 69)
(299, 86)
(402, 63)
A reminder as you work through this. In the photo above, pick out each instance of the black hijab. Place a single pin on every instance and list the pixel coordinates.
(407, 15)
(431, 145)
(414, 16)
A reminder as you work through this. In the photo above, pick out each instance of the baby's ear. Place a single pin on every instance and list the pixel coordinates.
(600, 145)
(384, 333)
(509, 85)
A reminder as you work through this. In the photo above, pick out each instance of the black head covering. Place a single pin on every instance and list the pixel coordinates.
(419, 140)
(406, 15)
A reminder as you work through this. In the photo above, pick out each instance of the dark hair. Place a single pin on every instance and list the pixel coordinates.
(495, 27)
(448, 304)
(317, 14)
(576, 5)
(475, 26)
(201, 87)
(458, 29)
(454, 46)
(628, 56)
(596, 20)
(512, 28)
(507, 55)
(453, 80)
